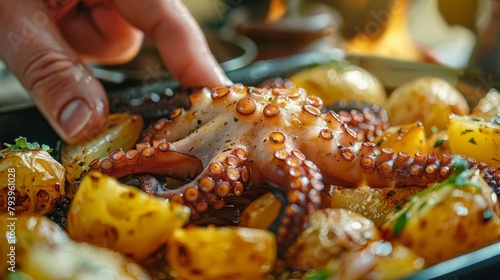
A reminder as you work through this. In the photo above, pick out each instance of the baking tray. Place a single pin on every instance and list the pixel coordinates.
(480, 264)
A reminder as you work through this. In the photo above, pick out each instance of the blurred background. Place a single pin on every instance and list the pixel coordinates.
(240, 32)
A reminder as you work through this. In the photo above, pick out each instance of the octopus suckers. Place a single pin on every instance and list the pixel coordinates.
(220, 92)
(215, 168)
(271, 110)
(130, 154)
(277, 137)
(326, 133)
(246, 106)
(206, 184)
(175, 113)
(311, 110)
(281, 154)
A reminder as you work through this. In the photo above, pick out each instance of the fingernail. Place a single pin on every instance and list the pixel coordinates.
(74, 117)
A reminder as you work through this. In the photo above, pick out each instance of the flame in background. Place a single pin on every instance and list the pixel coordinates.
(277, 9)
(388, 38)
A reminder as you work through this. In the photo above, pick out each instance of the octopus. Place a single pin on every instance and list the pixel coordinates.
(235, 138)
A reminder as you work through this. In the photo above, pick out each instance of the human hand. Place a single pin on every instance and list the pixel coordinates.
(45, 42)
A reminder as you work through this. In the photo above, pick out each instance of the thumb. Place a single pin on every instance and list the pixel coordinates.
(72, 101)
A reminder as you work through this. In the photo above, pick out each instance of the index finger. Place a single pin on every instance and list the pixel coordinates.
(178, 37)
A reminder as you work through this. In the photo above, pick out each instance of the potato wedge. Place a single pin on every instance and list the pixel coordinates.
(451, 218)
(107, 213)
(407, 138)
(332, 233)
(221, 253)
(43, 251)
(488, 106)
(341, 81)
(476, 138)
(31, 180)
(428, 100)
(378, 205)
(380, 260)
(121, 131)
(262, 212)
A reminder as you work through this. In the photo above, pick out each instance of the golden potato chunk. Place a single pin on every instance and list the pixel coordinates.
(107, 213)
(31, 180)
(476, 138)
(428, 100)
(221, 253)
(121, 131)
(262, 212)
(380, 260)
(341, 81)
(332, 233)
(42, 250)
(376, 204)
(407, 138)
(451, 218)
(438, 143)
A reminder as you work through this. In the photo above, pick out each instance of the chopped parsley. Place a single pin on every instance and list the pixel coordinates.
(439, 143)
(472, 141)
(458, 178)
(21, 144)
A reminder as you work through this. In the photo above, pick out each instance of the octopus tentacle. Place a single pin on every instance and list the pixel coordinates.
(367, 120)
(158, 158)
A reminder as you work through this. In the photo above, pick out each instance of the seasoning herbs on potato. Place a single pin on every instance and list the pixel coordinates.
(453, 217)
(31, 180)
(107, 213)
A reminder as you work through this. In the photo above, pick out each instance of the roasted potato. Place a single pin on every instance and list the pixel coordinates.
(488, 107)
(379, 260)
(43, 251)
(476, 138)
(31, 180)
(107, 213)
(341, 81)
(121, 131)
(428, 100)
(378, 205)
(221, 253)
(262, 212)
(453, 217)
(438, 143)
(332, 233)
(407, 138)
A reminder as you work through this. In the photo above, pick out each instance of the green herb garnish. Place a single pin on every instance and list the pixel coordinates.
(320, 274)
(458, 178)
(472, 141)
(21, 144)
(439, 143)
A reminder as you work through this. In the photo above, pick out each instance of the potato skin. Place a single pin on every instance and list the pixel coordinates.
(38, 178)
(448, 222)
(376, 204)
(428, 100)
(107, 213)
(43, 251)
(379, 260)
(341, 81)
(475, 138)
(211, 253)
(332, 233)
(121, 131)
(408, 138)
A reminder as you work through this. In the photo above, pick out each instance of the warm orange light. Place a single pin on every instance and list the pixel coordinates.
(277, 9)
(389, 37)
